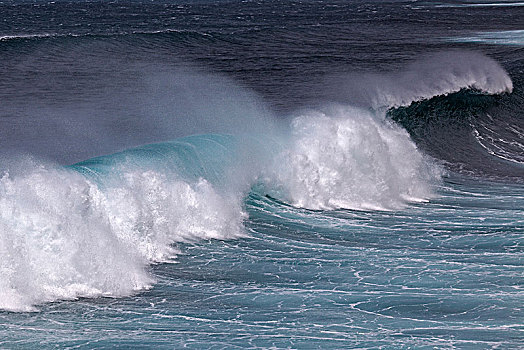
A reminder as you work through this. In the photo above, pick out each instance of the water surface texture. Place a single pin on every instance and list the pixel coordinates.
(262, 174)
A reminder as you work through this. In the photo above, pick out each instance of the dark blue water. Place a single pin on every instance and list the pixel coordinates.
(286, 174)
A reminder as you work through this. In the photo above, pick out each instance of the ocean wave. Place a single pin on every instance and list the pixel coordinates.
(483, 4)
(92, 229)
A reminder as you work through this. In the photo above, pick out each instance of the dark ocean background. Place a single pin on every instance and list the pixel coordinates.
(262, 174)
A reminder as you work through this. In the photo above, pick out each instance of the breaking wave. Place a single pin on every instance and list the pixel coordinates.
(93, 228)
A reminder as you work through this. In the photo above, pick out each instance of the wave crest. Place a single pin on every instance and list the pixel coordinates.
(433, 75)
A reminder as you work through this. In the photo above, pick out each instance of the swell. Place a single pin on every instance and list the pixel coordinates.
(191, 158)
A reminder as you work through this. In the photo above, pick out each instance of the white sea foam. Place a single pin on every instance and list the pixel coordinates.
(345, 157)
(64, 237)
(26, 36)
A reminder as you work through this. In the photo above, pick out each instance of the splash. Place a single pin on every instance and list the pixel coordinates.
(345, 157)
(65, 237)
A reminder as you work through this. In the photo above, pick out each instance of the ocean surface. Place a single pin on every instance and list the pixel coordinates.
(262, 174)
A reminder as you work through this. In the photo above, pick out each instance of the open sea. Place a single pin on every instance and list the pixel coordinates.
(259, 174)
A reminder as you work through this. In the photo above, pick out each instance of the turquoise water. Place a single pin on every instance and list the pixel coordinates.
(442, 274)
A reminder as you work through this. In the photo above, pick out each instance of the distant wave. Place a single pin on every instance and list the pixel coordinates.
(484, 4)
(14, 37)
(30, 36)
(508, 37)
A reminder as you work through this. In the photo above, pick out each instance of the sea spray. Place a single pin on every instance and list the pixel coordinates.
(431, 75)
(346, 157)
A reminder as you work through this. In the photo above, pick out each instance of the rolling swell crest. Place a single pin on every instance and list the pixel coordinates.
(191, 158)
